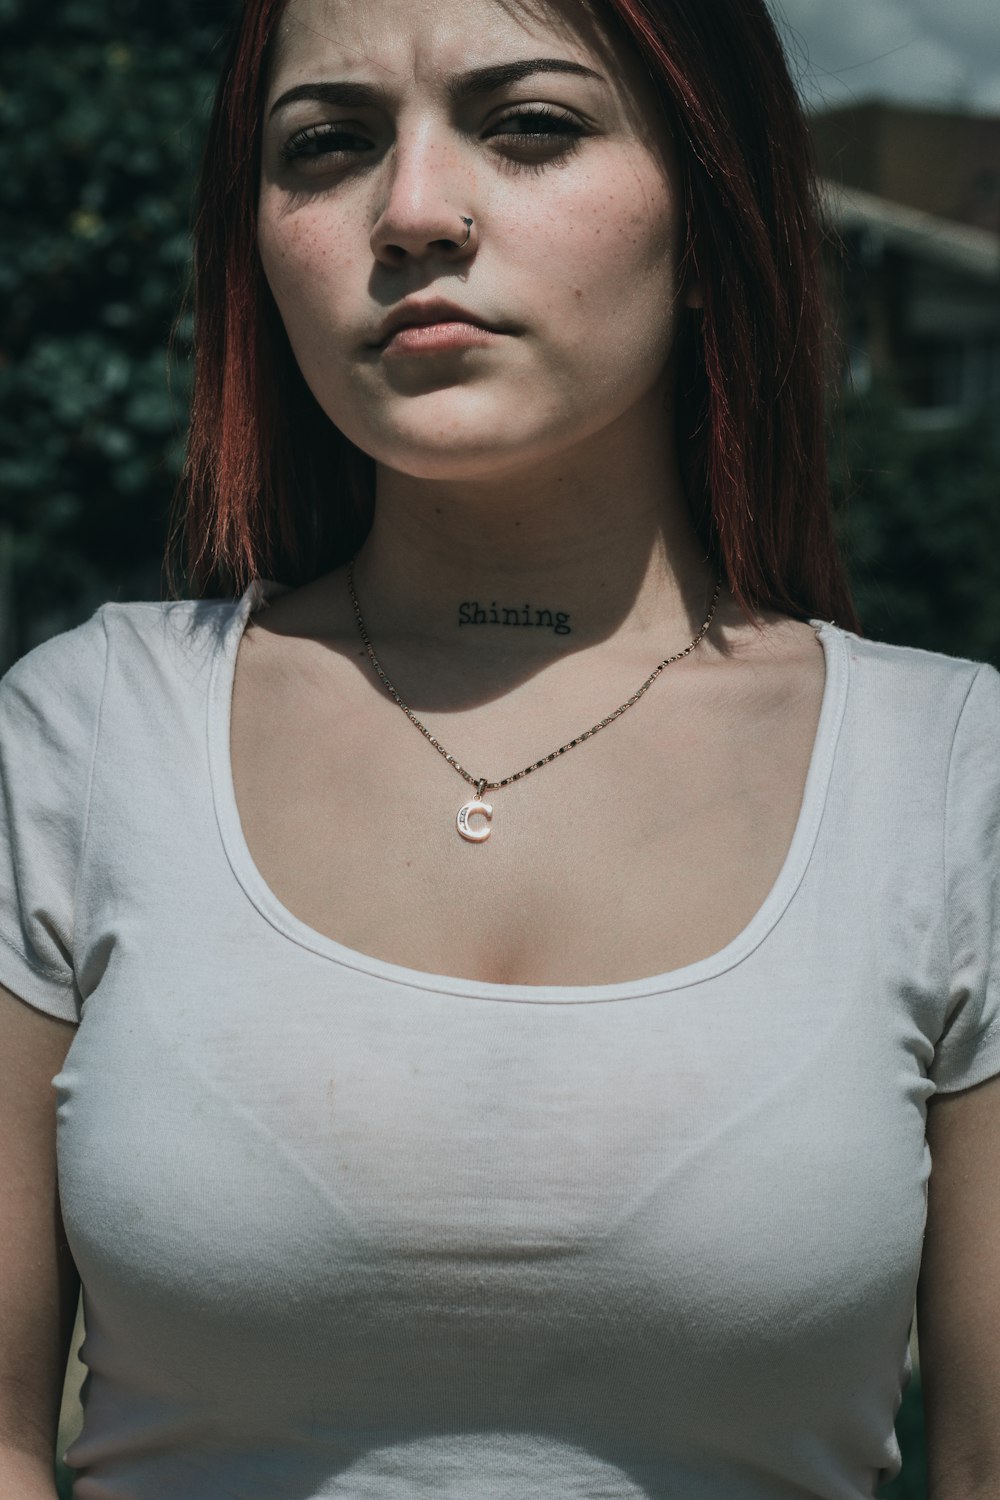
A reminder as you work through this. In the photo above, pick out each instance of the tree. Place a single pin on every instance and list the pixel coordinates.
(102, 111)
(921, 525)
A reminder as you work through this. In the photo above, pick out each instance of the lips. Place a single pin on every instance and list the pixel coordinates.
(427, 314)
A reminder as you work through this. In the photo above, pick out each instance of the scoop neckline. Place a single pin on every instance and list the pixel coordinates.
(284, 921)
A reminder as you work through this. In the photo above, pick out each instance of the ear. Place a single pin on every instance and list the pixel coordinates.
(693, 297)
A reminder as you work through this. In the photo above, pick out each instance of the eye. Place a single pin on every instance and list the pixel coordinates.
(536, 133)
(325, 141)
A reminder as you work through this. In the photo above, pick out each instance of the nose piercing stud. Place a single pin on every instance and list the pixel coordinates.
(468, 231)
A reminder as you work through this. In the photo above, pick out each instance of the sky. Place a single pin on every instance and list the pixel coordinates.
(938, 52)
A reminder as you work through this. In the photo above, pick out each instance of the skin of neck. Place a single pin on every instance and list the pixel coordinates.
(600, 533)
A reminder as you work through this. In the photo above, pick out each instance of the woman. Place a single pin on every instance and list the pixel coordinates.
(564, 1130)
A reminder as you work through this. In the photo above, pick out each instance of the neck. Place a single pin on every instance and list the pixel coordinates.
(556, 555)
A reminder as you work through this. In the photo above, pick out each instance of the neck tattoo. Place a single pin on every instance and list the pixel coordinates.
(472, 612)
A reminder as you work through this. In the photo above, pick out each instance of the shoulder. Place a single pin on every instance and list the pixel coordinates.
(162, 645)
(58, 682)
(911, 664)
(905, 708)
(73, 664)
(159, 626)
(925, 694)
(920, 732)
(900, 680)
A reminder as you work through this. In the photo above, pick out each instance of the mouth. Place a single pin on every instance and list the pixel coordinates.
(432, 327)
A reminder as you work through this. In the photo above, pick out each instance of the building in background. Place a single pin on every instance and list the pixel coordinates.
(946, 164)
(914, 198)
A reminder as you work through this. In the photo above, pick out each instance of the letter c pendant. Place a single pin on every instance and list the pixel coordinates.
(481, 833)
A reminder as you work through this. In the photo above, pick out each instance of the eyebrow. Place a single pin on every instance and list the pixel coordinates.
(460, 86)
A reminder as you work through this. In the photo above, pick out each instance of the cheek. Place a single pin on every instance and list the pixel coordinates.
(604, 254)
(306, 256)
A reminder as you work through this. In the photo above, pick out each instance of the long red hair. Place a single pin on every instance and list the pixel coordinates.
(272, 489)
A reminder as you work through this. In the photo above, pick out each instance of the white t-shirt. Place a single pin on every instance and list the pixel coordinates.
(349, 1229)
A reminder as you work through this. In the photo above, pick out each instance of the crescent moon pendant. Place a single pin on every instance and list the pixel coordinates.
(481, 833)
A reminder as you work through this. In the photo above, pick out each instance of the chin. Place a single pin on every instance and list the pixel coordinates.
(458, 457)
(445, 440)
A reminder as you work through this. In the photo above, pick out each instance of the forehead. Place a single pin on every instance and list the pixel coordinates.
(428, 40)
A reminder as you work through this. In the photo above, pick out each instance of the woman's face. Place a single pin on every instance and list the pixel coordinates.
(386, 122)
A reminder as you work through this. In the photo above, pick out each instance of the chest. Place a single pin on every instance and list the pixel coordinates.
(646, 848)
(337, 1167)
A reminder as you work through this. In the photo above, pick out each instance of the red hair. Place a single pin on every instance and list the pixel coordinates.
(272, 489)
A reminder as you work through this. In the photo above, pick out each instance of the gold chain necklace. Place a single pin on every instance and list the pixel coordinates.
(481, 832)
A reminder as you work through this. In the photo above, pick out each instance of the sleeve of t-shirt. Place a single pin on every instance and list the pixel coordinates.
(968, 1050)
(50, 705)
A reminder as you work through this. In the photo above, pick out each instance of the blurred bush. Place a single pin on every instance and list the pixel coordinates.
(911, 1482)
(102, 109)
(920, 525)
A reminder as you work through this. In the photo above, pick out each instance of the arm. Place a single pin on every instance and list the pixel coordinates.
(39, 1284)
(958, 1295)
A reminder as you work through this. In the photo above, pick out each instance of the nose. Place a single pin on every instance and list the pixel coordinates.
(425, 212)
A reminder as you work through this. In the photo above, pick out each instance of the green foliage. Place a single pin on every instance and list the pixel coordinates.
(64, 1480)
(911, 1482)
(102, 111)
(921, 527)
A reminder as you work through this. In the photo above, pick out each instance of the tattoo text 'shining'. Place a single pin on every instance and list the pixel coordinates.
(473, 613)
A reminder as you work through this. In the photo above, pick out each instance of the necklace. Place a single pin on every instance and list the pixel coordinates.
(479, 833)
